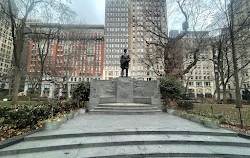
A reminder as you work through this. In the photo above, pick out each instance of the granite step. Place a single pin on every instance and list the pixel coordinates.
(142, 151)
(127, 141)
(124, 112)
(125, 105)
(125, 108)
(132, 144)
(129, 133)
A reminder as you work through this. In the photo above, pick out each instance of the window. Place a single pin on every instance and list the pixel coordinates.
(207, 84)
(190, 83)
(199, 84)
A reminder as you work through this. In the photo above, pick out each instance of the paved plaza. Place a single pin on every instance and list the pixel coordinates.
(158, 135)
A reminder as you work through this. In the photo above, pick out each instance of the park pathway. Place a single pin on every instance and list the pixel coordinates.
(115, 136)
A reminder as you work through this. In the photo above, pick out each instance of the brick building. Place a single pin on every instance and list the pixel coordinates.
(73, 53)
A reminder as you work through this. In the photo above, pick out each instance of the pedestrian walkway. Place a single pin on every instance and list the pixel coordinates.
(159, 135)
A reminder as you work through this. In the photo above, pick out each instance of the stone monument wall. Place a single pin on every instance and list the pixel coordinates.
(124, 90)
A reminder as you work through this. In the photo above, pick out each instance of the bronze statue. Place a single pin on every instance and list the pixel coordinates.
(125, 59)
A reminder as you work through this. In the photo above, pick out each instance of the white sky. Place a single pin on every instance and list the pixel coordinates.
(93, 12)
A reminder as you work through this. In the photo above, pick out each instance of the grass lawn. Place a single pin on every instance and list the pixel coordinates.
(228, 111)
(8, 103)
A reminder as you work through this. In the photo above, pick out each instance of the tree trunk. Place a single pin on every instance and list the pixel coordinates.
(216, 72)
(16, 85)
(235, 65)
(217, 85)
(40, 85)
(224, 93)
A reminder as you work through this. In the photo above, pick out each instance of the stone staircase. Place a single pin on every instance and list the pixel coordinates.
(134, 136)
(131, 144)
(125, 109)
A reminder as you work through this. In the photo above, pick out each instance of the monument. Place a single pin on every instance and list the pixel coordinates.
(124, 90)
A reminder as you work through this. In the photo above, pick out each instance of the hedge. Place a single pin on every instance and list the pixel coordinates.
(171, 88)
(21, 116)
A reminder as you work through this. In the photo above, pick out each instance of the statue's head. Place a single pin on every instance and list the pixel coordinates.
(125, 51)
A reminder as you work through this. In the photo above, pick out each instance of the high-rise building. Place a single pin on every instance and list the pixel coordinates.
(200, 79)
(75, 53)
(126, 24)
(241, 10)
(6, 45)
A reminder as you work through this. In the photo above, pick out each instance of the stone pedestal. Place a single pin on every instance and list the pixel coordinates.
(124, 90)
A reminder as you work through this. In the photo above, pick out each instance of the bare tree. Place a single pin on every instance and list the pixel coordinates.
(231, 43)
(165, 52)
(25, 9)
(43, 37)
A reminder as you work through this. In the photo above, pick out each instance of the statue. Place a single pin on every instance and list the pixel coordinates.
(125, 59)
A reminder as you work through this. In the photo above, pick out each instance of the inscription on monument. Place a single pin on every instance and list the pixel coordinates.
(124, 90)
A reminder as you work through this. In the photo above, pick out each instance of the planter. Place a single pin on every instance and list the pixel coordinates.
(196, 119)
(170, 111)
(185, 116)
(81, 111)
(52, 125)
(210, 124)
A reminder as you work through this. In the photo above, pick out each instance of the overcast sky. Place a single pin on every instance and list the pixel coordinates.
(91, 11)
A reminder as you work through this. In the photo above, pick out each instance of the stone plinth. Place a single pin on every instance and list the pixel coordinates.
(124, 90)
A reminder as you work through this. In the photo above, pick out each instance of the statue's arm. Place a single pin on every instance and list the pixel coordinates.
(128, 58)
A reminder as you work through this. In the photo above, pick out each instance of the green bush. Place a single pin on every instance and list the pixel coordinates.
(33, 95)
(171, 88)
(23, 98)
(81, 93)
(185, 105)
(22, 116)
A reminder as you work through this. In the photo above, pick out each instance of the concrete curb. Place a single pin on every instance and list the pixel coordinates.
(46, 126)
(206, 123)
(71, 116)
(122, 143)
(196, 119)
(210, 124)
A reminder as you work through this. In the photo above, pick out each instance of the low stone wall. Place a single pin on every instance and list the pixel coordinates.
(124, 90)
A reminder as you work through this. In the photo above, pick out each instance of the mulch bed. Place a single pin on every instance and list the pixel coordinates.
(245, 129)
(9, 132)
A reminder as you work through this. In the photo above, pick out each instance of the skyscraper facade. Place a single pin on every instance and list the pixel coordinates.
(126, 27)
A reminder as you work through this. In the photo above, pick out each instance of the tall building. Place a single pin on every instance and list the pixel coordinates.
(125, 28)
(241, 10)
(6, 47)
(75, 54)
(200, 79)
